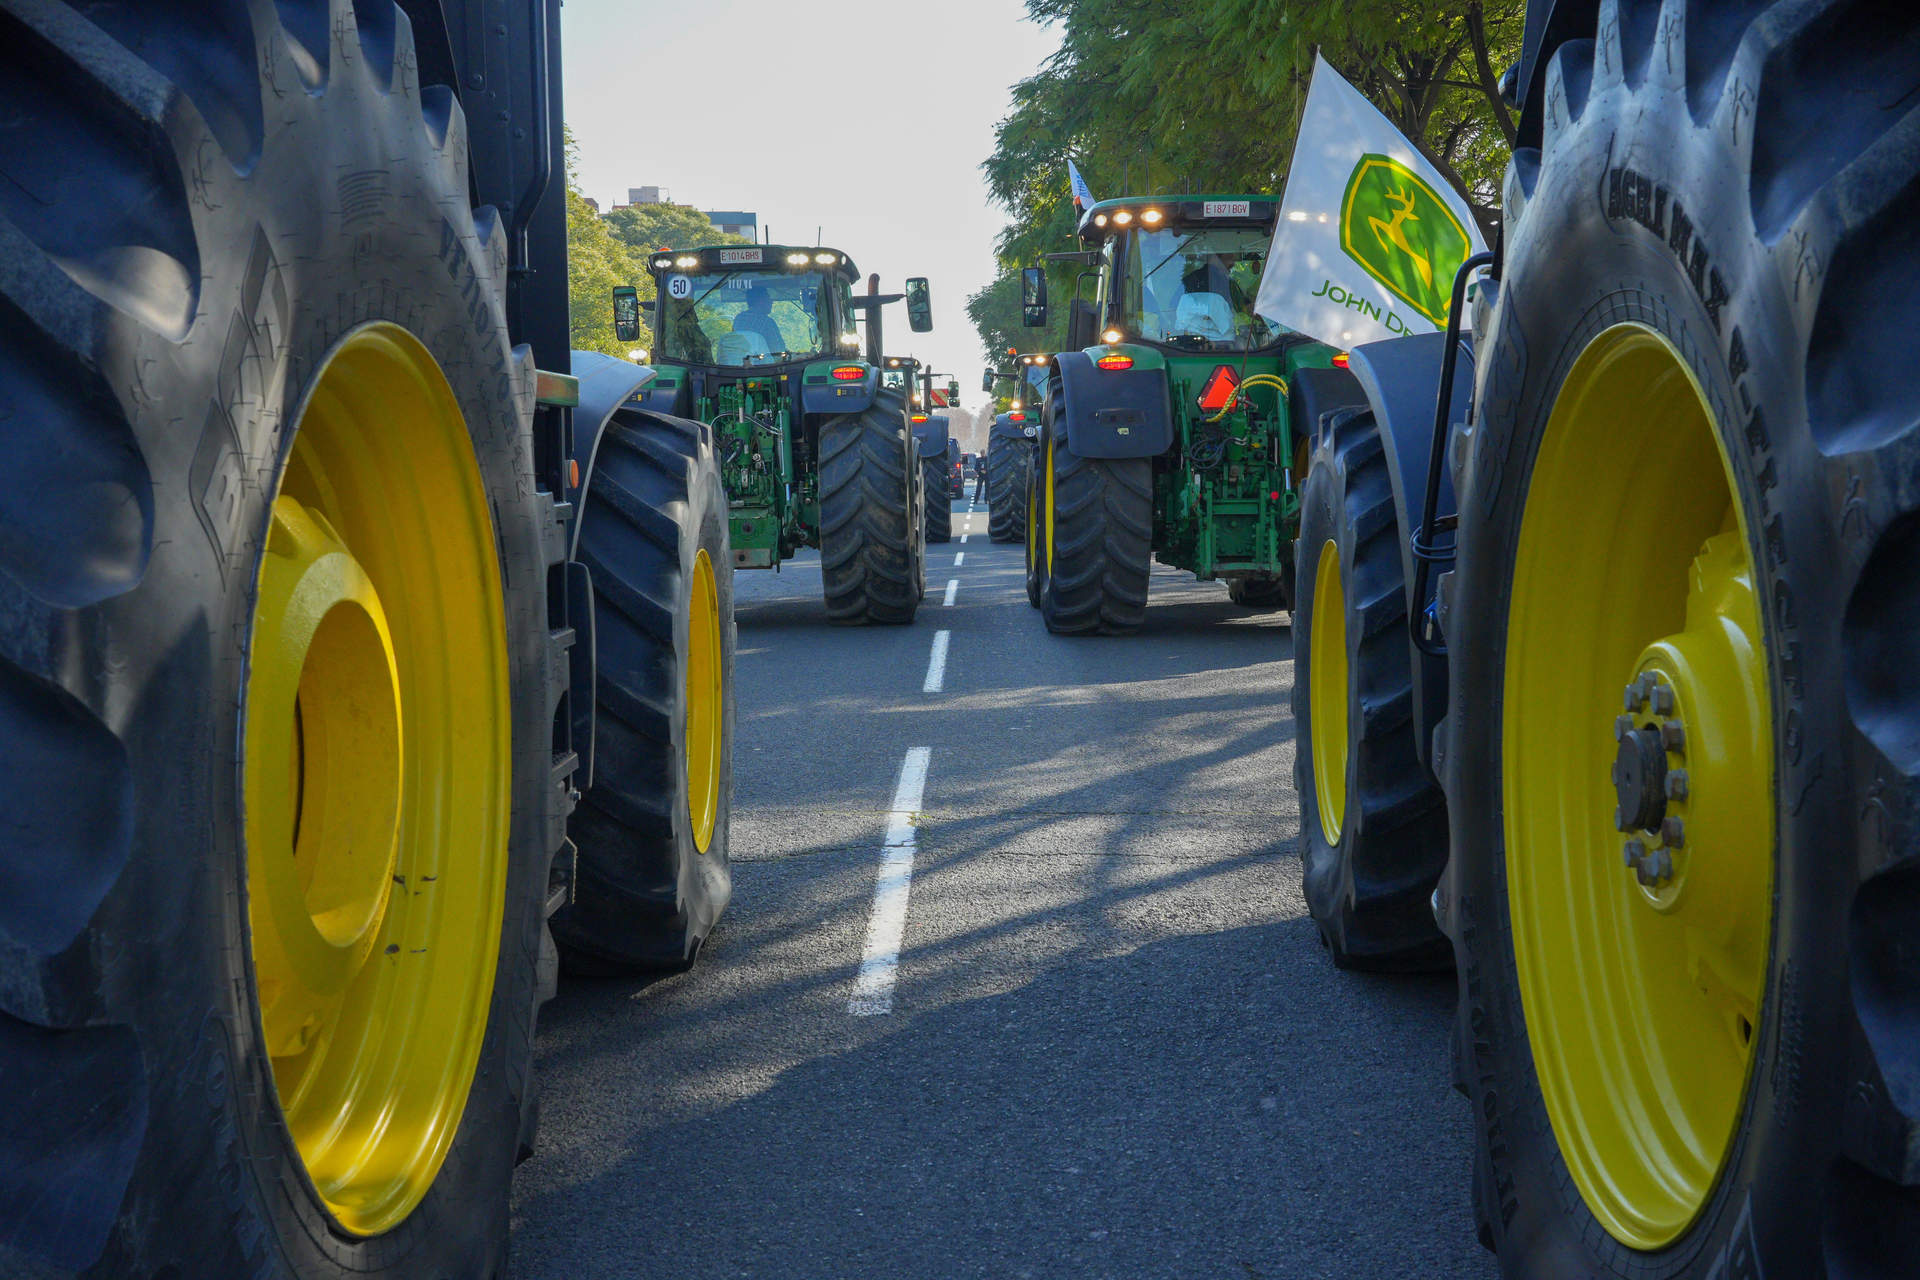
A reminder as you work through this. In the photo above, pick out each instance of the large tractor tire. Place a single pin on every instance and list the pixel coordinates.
(1373, 827)
(939, 505)
(1099, 539)
(870, 560)
(276, 748)
(1681, 760)
(1009, 459)
(652, 828)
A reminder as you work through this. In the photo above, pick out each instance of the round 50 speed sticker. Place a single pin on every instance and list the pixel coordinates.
(679, 287)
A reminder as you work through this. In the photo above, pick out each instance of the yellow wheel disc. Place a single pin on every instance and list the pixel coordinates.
(705, 699)
(1049, 520)
(1327, 693)
(376, 777)
(1639, 795)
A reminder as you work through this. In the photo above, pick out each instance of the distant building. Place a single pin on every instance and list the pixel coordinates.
(735, 222)
(647, 195)
(592, 203)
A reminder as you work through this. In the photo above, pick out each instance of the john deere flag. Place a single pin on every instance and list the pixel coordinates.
(1369, 236)
(1082, 195)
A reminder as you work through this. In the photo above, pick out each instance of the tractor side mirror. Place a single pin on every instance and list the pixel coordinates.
(953, 391)
(626, 313)
(986, 383)
(919, 305)
(1033, 297)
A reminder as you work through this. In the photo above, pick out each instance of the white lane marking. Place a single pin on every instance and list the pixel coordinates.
(953, 589)
(963, 537)
(880, 958)
(959, 558)
(937, 663)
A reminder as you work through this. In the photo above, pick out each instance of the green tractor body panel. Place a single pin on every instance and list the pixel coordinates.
(1206, 392)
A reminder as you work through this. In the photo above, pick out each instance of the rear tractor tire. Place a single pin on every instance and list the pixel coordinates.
(1680, 754)
(273, 522)
(1099, 539)
(939, 505)
(869, 545)
(652, 829)
(1009, 461)
(1373, 826)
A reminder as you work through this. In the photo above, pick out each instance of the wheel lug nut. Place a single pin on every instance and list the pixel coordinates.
(1673, 736)
(1619, 818)
(1622, 726)
(1633, 695)
(1663, 699)
(1676, 784)
(1674, 832)
(1657, 869)
(1636, 851)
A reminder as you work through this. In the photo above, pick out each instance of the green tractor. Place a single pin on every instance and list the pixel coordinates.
(1010, 445)
(1172, 426)
(759, 342)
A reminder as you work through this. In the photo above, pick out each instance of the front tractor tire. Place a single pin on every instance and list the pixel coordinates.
(1098, 541)
(939, 503)
(1373, 828)
(652, 829)
(1680, 758)
(274, 722)
(869, 548)
(1009, 462)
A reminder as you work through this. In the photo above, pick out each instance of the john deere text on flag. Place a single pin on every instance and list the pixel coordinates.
(1082, 195)
(1369, 235)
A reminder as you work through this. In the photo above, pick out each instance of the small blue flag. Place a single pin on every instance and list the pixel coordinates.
(1082, 197)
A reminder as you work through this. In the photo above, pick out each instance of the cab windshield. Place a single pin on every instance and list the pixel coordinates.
(1194, 288)
(745, 318)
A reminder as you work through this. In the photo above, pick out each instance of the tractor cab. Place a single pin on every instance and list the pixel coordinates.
(753, 307)
(1180, 274)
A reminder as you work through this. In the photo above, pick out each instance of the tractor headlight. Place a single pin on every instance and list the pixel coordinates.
(796, 259)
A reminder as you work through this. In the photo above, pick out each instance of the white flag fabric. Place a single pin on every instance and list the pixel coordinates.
(1369, 235)
(1082, 195)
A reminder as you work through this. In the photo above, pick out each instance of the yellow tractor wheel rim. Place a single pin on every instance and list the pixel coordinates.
(705, 700)
(1048, 551)
(1638, 786)
(1327, 692)
(376, 777)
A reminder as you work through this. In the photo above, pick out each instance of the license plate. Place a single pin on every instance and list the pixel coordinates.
(1227, 209)
(740, 257)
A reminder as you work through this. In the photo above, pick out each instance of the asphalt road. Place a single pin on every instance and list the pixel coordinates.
(1115, 1046)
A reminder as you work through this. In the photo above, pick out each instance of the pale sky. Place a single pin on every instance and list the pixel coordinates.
(784, 109)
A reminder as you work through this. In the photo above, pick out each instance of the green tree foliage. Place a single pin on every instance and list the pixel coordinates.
(995, 312)
(1149, 98)
(646, 227)
(596, 262)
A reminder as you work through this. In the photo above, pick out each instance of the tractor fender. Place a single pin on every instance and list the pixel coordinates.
(931, 437)
(1400, 378)
(608, 386)
(821, 393)
(1005, 428)
(1111, 413)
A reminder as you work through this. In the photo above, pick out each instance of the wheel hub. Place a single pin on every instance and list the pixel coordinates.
(1645, 785)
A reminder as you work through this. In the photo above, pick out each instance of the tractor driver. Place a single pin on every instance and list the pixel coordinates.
(758, 319)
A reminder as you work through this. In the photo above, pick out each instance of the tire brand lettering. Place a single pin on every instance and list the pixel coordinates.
(1499, 1154)
(475, 295)
(1634, 197)
(246, 397)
